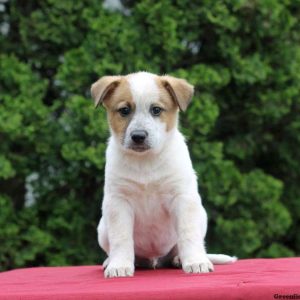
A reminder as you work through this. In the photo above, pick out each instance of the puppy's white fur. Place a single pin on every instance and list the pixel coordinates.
(151, 206)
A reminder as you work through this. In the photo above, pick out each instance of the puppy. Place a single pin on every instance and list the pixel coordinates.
(151, 212)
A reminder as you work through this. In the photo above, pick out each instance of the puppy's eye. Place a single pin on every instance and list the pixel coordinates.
(156, 110)
(124, 111)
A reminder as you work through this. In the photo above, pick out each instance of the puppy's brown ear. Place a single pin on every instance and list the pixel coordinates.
(103, 88)
(179, 89)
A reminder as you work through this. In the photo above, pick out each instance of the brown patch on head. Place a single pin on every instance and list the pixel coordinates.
(120, 98)
(114, 93)
(179, 89)
(170, 108)
(103, 88)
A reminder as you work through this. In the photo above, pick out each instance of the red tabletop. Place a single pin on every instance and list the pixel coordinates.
(245, 279)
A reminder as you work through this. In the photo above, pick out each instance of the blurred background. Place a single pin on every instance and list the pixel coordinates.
(242, 128)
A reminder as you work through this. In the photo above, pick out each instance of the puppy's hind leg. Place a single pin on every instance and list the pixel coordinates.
(105, 263)
(102, 236)
(171, 260)
(103, 241)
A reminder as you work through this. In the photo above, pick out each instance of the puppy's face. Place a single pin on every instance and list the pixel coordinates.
(142, 108)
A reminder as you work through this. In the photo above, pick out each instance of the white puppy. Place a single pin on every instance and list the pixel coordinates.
(152, 212)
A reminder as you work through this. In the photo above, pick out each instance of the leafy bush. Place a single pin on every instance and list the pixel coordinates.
(243, 126)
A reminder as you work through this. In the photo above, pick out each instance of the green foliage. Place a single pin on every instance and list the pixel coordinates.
(243, 126)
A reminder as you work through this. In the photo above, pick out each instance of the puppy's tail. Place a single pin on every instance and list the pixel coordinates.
(221, 259)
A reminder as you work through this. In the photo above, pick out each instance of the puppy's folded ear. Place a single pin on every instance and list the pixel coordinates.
(103, 88)
(179, 89)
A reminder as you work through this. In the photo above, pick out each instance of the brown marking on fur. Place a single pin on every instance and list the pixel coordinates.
(114, 93)
(120, 98)
(103, 88)
(179, 89)
(170, 112)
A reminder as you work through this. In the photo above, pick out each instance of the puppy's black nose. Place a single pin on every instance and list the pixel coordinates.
(139, 136)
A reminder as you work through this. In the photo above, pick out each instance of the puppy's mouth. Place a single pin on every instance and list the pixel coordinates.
(139, 148)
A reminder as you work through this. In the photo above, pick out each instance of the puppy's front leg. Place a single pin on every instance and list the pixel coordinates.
(191, 225)
(119, 220)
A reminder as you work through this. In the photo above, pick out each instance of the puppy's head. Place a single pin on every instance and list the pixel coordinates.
(142, 108)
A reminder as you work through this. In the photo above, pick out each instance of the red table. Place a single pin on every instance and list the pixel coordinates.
(245, 279)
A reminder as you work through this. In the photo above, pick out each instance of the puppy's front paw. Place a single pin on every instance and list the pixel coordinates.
(117, 270)
(202, 265)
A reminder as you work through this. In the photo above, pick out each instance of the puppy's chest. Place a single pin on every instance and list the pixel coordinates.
(148, 199)
(154, 229)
